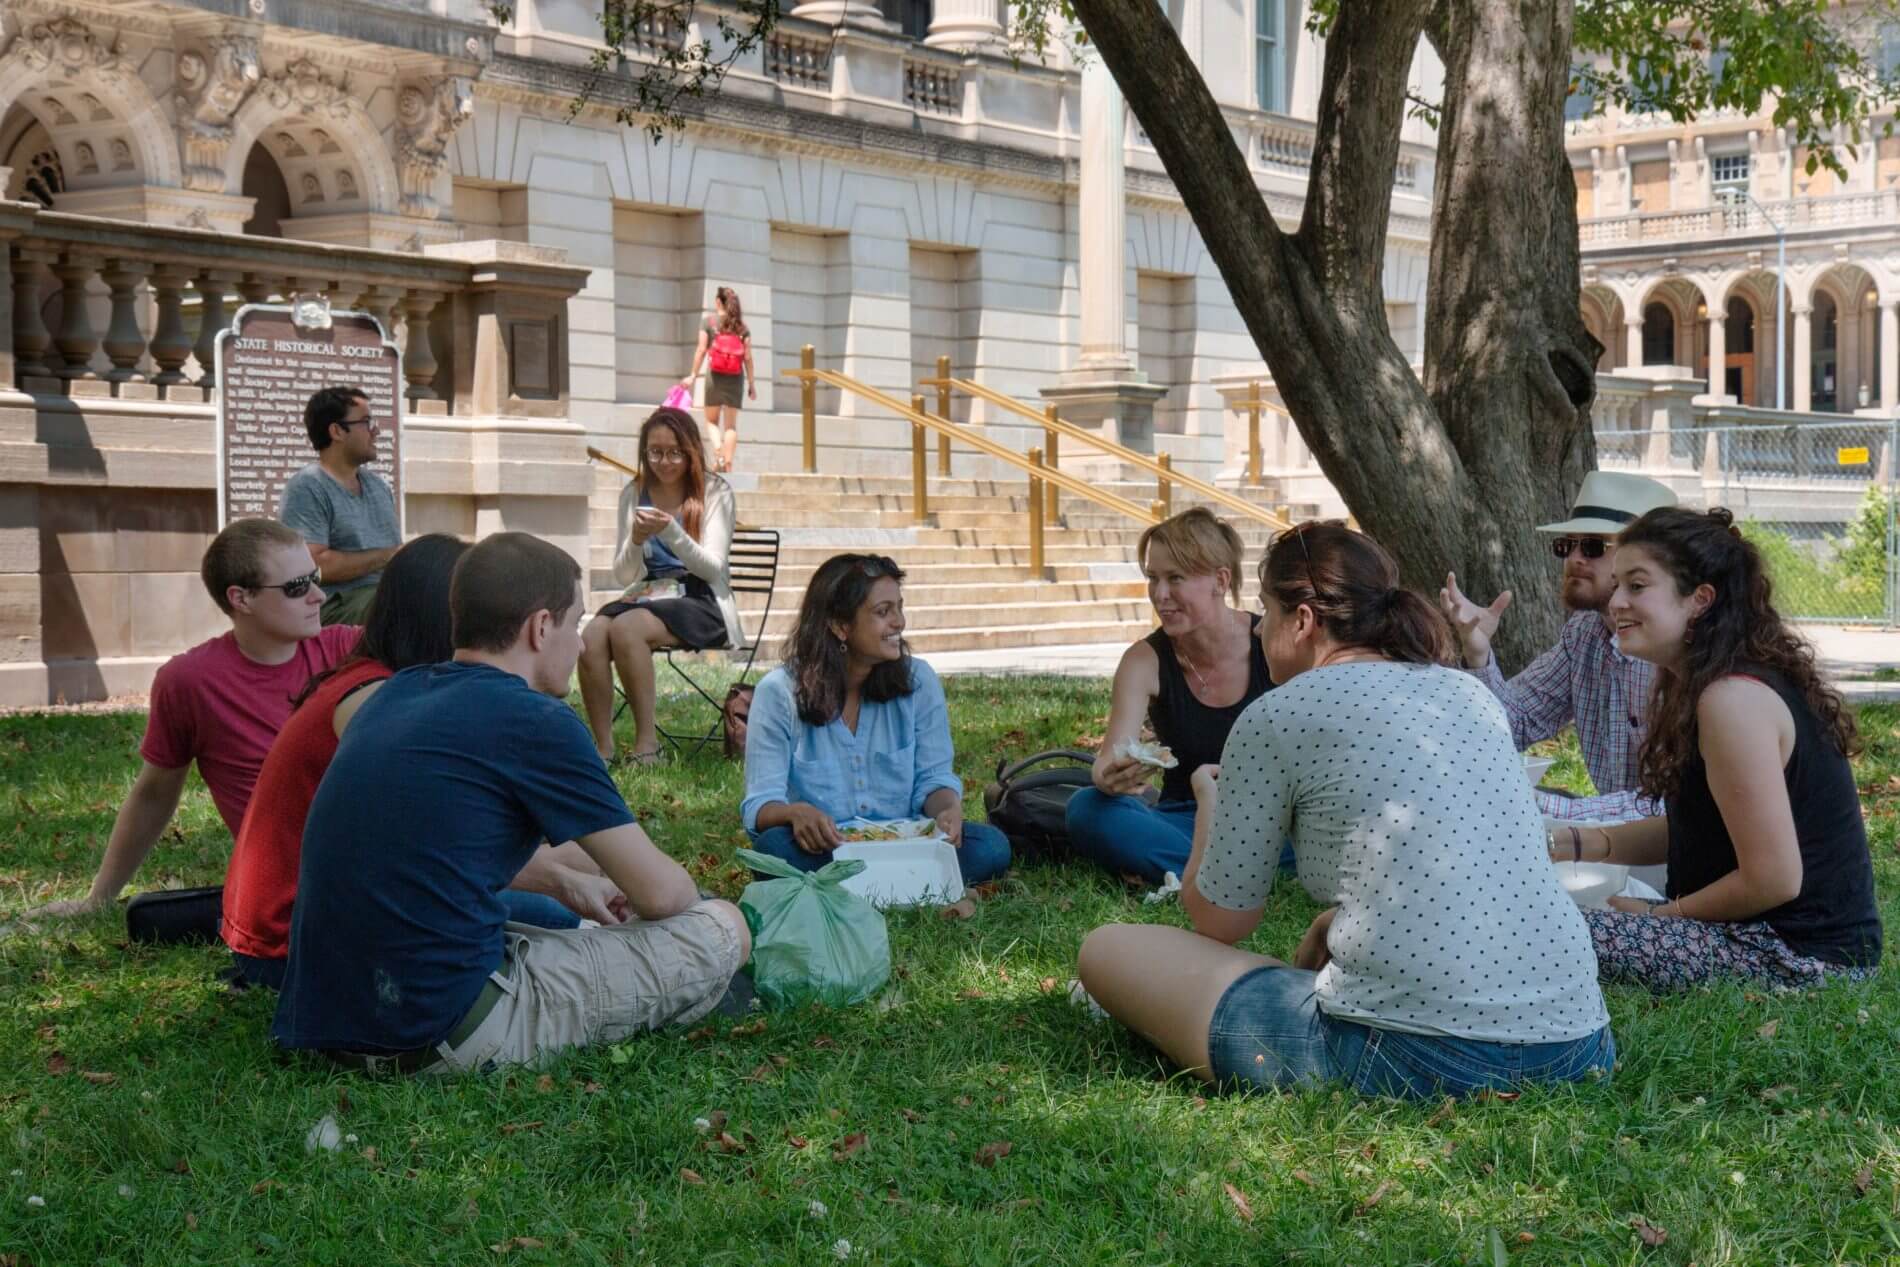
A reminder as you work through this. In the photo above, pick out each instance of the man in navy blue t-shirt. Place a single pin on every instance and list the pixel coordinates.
(400, 951)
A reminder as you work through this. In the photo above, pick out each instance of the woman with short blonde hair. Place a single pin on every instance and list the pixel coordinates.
(1189, 680)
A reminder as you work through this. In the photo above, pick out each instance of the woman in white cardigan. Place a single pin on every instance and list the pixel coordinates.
(674, 557)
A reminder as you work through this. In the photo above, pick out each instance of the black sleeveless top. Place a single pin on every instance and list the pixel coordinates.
(1194, 731)
(1833, 918)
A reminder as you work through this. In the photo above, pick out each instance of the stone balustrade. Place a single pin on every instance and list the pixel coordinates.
(931, 87)
(1742, 220)
(118, 308)
(798, 61)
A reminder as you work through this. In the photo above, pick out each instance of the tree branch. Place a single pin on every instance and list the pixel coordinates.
(1362, 95)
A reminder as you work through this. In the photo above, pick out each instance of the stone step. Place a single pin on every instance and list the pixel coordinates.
(1127, 611)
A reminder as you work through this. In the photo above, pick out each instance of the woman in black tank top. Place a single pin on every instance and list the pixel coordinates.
(1769, 873)
(1188, 680)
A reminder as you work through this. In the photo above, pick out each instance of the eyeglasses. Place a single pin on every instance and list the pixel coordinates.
(347, 423)
(1298, 533)
(666, 455)
(1588, 547)
(297, 586)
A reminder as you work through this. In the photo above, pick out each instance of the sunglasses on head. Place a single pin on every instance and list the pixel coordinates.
(296, 586)
(1588, 547)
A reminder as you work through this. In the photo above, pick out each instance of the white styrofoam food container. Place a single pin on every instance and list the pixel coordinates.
(1592, 884)
(1535, 768)
(915, 871)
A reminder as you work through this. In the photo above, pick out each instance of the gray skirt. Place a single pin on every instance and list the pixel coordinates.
(725, 389)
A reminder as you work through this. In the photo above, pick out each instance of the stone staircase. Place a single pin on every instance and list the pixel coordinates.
(968, 585)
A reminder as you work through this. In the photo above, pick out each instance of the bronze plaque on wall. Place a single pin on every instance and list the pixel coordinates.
(269, 362)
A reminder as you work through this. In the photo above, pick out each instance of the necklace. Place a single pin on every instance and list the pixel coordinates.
(1198, 679)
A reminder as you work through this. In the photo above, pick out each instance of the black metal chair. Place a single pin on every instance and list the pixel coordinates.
(754, 570)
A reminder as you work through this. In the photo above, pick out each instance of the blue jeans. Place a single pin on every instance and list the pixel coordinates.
(984, 854)
(538, 909)
(1268, 1032)
(1125, 835)
(523, 908)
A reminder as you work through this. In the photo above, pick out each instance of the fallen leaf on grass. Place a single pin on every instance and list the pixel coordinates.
(962, 908)
(1768, 1030)
(544, 1083)
(1772, 1095)
(1651, 1234)
(690, 1176)
(991, 1153)
(1305, 1178)
(824, 1041)
(747, 1031)
(727, 1144)
(343, 1105)
(517, 1242)
(847, 1147)
(699, 1035)
(58, 1065)
(759, 1074)
(181, 1167)
(592, 1088)
(1047, 985)
(1241, 1205)
(97, 1078)
(972, 993)
(910, 1115)
(717, 1119)
(1443, 1113)
(797, 1141)
(964, 1102)
(1863, 1180)
(191, 1221)
(263, 1186)
(1378, 1195)
(513, 1128)
(987, 889)
(1503, 1096)
(1198, 1102)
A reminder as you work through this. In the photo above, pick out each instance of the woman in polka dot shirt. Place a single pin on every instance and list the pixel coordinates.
(1449, 959)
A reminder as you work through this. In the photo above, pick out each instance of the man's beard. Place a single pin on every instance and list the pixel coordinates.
(1591, 599)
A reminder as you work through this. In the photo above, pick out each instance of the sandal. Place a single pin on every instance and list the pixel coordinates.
(623, 758)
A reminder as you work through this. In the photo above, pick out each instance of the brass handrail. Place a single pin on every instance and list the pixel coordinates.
(981, 443)
(1031, 465)
(1161, 469)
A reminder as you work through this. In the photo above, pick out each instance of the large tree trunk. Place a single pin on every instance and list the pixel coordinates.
(1456, 471)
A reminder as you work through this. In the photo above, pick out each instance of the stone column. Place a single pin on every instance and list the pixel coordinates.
(1890, 355)
(1802, 371)
(1718, 357)
(962, 24)
(1103, 208)
(1632, 342)
(835, 11)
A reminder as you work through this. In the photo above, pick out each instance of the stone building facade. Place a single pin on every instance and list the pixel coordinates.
(1684, 231)
(885, 183)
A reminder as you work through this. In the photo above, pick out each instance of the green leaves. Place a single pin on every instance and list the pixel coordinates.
(1818, 68)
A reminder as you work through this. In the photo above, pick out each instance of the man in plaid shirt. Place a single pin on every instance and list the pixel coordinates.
(1584, 678)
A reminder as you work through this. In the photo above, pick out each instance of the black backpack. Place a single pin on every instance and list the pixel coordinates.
(1030, 806)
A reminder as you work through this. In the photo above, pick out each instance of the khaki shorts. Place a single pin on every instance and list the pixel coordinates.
(578, 987)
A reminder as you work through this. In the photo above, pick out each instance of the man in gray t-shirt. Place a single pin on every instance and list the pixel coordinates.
(346, 512)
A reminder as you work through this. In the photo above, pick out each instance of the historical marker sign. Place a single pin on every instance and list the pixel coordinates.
(269, 362)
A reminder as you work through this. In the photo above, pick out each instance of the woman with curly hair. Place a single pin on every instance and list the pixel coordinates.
(851, 726)
(1769, 874)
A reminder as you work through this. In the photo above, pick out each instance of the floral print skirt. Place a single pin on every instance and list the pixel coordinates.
(1664, 953)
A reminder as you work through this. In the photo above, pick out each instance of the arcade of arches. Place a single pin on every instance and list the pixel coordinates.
(1834, 351)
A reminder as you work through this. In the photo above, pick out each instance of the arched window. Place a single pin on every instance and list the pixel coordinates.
(1659, 335)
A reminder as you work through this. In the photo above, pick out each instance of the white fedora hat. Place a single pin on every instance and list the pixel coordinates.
(1609, 502)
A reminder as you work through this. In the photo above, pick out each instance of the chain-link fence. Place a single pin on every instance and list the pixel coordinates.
(1818, 498)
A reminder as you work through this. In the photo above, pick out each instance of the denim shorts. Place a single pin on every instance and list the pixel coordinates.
(1268, 1033)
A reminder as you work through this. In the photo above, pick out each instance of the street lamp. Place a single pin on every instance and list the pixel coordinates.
(1735, 194)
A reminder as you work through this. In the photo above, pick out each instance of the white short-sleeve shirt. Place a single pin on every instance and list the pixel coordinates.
(1408, 807)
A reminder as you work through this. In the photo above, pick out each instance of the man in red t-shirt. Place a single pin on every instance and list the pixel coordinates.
(223, 702)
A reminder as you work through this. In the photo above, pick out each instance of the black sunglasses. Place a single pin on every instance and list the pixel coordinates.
(1588, 547)
(1298, 533)
(296, 586)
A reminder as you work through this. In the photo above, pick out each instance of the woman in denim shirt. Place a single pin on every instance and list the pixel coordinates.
(852, 727)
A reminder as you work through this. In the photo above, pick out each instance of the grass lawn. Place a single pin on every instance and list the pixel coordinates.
(145, 1118)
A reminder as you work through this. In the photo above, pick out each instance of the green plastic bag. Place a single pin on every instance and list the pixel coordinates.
(813, 942)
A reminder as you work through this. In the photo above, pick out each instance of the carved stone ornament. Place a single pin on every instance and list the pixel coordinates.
(310, 312)
(302, 86)
(66, 45)
(211, 87)
(427, 115)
